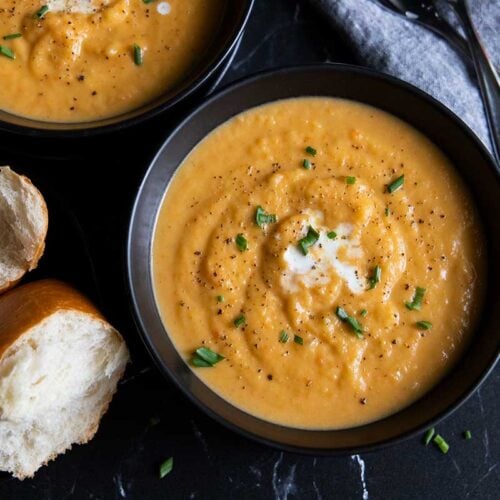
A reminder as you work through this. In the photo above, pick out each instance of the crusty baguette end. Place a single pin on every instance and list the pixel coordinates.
(60, 363)
(23, 227)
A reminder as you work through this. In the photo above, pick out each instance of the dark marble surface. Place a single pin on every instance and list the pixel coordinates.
(149, 420)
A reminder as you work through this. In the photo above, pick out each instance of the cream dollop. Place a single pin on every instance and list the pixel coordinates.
(163, 8)
(76, 6)
(315, 268)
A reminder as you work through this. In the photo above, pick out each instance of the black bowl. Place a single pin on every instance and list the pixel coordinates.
(200, 80)
(408, 103)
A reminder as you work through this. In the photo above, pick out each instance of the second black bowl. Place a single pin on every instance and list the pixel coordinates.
(200, 79)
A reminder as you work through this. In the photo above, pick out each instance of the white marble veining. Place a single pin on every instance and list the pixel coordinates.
(199, 436)
(119, 485)
(283, 486)
(362, 472)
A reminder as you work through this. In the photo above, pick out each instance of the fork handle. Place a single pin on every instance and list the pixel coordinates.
(486, 76)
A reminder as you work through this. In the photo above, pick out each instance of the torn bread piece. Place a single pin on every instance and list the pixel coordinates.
(60, 363)
(23, 227)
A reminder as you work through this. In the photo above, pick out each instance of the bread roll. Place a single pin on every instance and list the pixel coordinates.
(60, 363)
(23, 227)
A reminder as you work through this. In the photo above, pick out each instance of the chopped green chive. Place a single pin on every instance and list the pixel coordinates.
(241, 242)
(363, 312)
(200, 363)
(148, 1)
(424, 325)
(284, 337)
(41, 12)
(208, 355)
(416, 303)
(309, 240)
(341, 313)
(262, 217)
(239, 321)
(429, 435)
(356, 327)
(220, 298)
(387, 212)
(166, 467)
(298, 340)
(138, 55)
(441, 443)
(352, 322)
(204, 357)
(306, 164)
(375, 277)
(12, 36)
(311, 151)
(331, 235)
(395, 185)
(5, 51)
(467, 435)
(350, 180)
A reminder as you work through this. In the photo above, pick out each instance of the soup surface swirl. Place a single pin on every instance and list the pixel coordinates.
(329, 252)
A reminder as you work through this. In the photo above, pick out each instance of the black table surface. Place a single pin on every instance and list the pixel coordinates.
(90, 185)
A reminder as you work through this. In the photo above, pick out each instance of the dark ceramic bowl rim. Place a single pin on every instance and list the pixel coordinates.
(222, 53)
(165, 369)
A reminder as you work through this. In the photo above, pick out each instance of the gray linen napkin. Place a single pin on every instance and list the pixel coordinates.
(392, 44)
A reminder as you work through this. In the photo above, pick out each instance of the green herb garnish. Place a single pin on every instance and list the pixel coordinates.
(363, 312)
(311, 151)
(306, 164)
(424, 325)
(5, 51)
(350, 180)
(375, 277)
(204, 357)
(262, 217)
(467, 435)
(441, 443)
(298, 340)
(148, 1)
(352, 322)
(138, 55)
(220, 298)
(331, 235)
(200, 363)
(396, 184)
(241, 242)
(309, 240)
(239, 321)
(387, 211)
(12, 36)
(41, 12)
(416, 303)
(166, 467)
(429, 435)
(284, 337)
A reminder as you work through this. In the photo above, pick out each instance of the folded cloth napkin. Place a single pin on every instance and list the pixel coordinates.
(392, 44)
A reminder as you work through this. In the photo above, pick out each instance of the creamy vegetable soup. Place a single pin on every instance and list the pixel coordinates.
(79, 60)
(318, 263)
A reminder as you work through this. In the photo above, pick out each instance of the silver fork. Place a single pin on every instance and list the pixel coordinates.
(424, 12)
(486, 75)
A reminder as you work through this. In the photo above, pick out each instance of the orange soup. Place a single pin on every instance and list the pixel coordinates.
(80, 60)
(318, 263)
